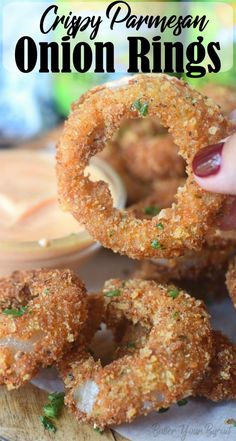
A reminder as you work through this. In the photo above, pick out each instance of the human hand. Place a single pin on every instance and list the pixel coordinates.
(214, 170)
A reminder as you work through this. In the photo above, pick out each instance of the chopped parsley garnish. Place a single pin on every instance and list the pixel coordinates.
(46, 291)
(173, 293)
(15, 312)
(97, 429)
(141, 108)
(182, 402)
(52, 410)
(153, 210)
(163, 409)
(131, 345)
(231, 421)
(47, 424)
(176, 315)
(155, 244)
(160, 226)
(56, 403)
(114, 293)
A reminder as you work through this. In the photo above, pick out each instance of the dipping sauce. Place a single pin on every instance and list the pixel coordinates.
(34, 231)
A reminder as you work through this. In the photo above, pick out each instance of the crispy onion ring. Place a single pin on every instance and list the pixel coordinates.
(191, 266)
(193, 122)
(55, 309)
(154, 376)
(219, 382)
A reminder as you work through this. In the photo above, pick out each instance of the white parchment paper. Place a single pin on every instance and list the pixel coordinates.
(199, 420)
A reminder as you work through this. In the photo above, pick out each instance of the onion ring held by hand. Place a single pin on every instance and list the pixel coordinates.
(51, 310)
(193, 121)
(154, 376)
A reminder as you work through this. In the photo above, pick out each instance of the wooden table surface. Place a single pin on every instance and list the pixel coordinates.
(19, 420)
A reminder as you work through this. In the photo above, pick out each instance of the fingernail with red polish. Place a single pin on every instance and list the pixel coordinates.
(207, 161)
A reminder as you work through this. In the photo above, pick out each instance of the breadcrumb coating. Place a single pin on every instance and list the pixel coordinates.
(52, 307)
(219, 383)
(193, 121)
(219, 380)
(164, 369)
(231, 280)
(224, 96)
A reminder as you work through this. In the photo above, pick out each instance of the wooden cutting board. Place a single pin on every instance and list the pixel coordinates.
(19, 420)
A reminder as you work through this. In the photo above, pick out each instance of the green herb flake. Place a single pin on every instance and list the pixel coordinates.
(163, 409)
(155, 244)
(160, 226)
(173, 293)
(153, 210)
(182, 402)
(15, 312)
(47, 424)
(141, 108)
(114, 293)
(55, 405)
(231, 421)
(176, 315)
(131, 345)
(98, 430)
(46, 291)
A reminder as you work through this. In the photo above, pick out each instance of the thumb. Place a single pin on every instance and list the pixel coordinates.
(214, 167)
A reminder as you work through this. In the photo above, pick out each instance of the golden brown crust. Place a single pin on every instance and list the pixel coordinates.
(56, 309)
(231, 280)
(219, 380)
(219, 383)
(155, 374)
(91, 125)
(224, 96)
(191, 266)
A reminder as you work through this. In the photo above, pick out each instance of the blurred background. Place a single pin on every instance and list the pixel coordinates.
(33, 104)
